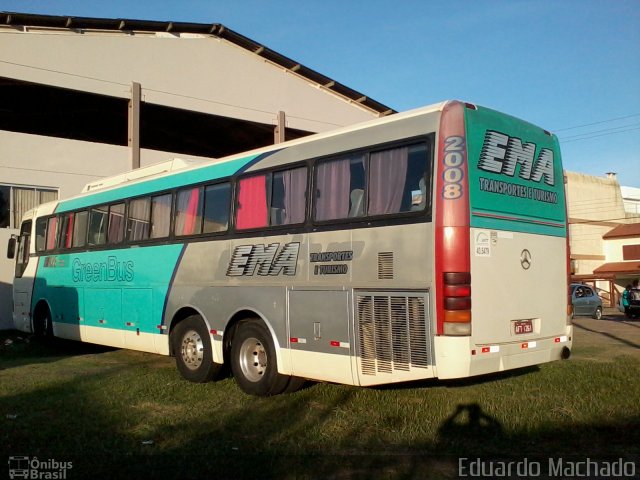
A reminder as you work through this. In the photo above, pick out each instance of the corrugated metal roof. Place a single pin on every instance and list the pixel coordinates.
(215, 29)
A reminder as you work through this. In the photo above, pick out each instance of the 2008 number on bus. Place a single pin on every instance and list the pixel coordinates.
(453, 161)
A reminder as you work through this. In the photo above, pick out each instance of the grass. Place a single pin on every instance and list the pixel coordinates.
(115, 410)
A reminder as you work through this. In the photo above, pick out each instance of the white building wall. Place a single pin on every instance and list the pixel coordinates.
(613, 248)
(194, 72)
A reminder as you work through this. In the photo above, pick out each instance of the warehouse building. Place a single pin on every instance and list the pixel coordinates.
(87, 98)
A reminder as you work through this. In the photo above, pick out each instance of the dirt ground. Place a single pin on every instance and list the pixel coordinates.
(609, 337)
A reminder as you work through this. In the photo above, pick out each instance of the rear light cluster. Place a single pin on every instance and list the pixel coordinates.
(457, 303)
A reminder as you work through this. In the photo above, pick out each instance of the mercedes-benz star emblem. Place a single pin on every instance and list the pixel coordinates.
(525, 259)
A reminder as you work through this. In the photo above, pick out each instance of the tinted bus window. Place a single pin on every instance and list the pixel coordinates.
(66, 230)
(288, 197)
(97, 234)
(41, 232)
(340, 188)
(189, 206)
(80, 229)
(217, 200)
(116, 223)
(160, 216)
(52, 230)
(138, 220)
(252, 202)
(397, 180)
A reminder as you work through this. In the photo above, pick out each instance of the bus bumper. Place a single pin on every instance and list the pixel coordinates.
(459, 357)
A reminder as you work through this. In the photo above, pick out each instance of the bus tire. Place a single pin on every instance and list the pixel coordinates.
(192, 349)
(295, 384)
(43, 323)
(253, 360)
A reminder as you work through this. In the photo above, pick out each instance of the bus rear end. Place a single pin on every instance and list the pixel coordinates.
(501, 268)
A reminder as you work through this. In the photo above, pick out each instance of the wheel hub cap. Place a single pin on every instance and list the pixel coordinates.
(253, 359)
(192, 350)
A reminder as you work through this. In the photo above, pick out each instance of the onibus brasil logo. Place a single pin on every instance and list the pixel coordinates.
(33, 468)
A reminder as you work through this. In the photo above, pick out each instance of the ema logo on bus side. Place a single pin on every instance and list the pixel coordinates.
(264, 259)
(501, 153)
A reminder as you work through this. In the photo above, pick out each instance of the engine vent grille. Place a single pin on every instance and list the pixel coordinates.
(385, 265)
(393, 332)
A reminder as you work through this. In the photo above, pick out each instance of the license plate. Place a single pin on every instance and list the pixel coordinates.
(522, 326)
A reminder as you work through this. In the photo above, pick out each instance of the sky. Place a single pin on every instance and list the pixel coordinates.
(569, 66)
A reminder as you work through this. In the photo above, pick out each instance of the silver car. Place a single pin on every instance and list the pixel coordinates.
(585, 301)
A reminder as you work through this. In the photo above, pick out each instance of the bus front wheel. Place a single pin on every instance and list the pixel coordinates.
(253, 360)
(192, 349)
(43, 323)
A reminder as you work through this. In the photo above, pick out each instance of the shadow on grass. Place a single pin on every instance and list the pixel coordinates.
(18, 349)
(259, 441)
(609, 335)
(95, 422)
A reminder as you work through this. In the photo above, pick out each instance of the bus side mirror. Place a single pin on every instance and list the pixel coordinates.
(11, 247)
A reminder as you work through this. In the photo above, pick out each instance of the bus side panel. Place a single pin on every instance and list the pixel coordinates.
(97, 296)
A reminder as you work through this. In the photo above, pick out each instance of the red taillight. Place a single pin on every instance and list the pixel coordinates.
(452, 230)
(457, 303)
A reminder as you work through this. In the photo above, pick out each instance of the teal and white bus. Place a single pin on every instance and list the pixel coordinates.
(431, 243)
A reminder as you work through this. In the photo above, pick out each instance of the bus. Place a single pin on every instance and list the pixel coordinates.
(427, 244)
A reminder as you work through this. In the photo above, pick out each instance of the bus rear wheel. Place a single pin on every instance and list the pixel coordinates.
(253, 360)
(192, 349)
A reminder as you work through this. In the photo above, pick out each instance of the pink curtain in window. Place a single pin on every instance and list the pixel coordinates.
(192, 212)
(69, 234)
(387, 176)
(252, 203)
(332, 194)
(51, 233)
(295, 189)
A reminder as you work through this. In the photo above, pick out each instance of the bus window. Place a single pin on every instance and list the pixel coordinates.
(189, 205)
(160, 215)
(340, 188)
(138, 222)
(116, 223)
(80, 229)
(217, 199)
(252, 202)
(23, 248)
(396, 180)
(98, 226)
(288, 196)
(66, 230)
(41, 234)
(52, 230)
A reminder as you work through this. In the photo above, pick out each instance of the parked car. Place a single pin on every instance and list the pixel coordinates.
(585, 301)
(633, 310)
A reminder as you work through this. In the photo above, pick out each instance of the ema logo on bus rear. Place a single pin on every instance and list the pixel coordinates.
(502, 153)
(247, 260)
